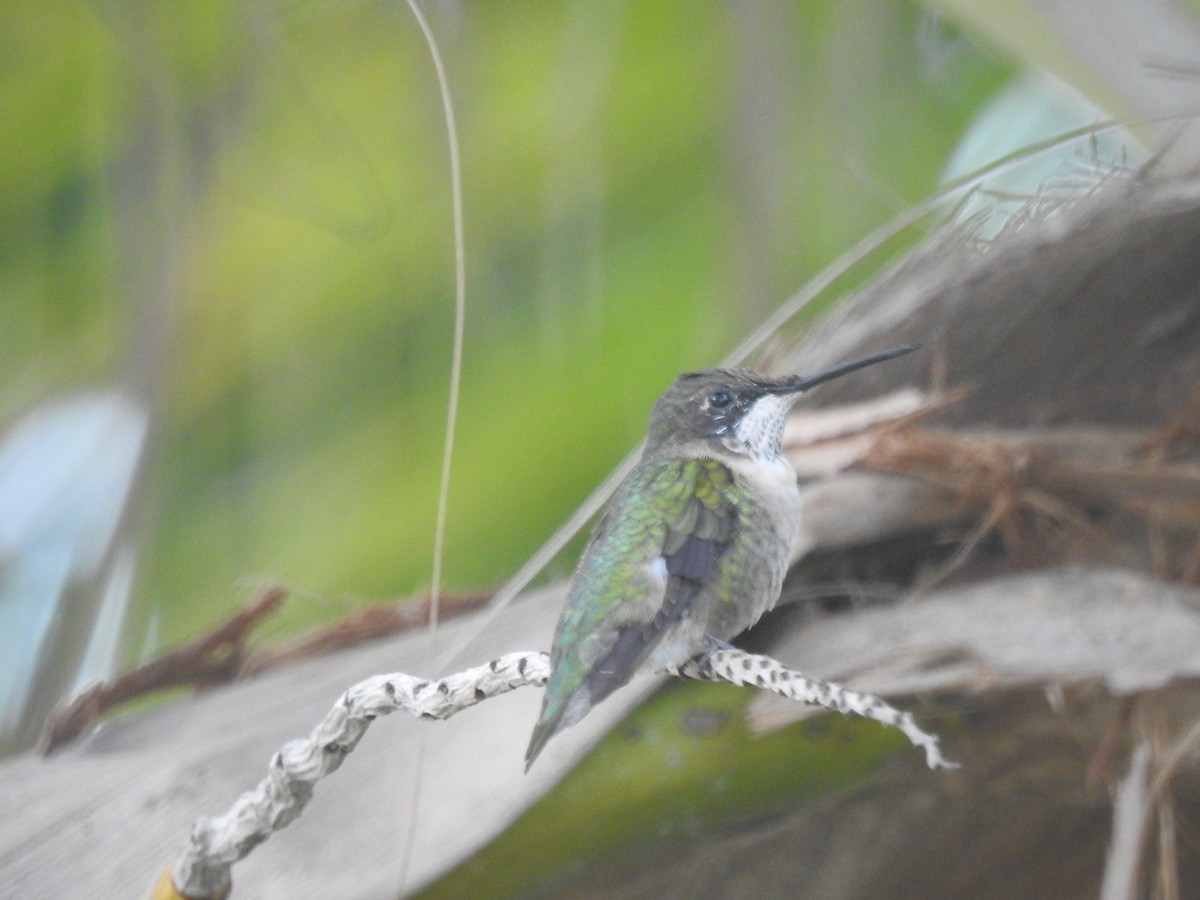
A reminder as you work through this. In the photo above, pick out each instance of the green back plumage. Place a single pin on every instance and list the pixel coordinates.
(658, 545)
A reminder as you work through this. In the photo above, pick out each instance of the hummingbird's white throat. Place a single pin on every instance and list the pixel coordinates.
(760, 430)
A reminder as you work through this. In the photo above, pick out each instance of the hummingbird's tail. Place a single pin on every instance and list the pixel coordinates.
(629, 648)
(557, 714)
(542, 732)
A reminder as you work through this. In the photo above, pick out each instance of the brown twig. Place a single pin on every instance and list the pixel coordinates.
(222, 656)
(215, 658)
(367, 625)
(1099, 770)
(1022, 483)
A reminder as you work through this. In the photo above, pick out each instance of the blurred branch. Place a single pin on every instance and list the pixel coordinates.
(221, 656)
(1129, 827)
(215, 658)
(365, 625)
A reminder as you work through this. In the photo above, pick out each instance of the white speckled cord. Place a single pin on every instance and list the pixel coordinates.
(203, 867)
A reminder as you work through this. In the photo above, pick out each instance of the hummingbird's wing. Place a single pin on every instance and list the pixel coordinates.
(656, 548)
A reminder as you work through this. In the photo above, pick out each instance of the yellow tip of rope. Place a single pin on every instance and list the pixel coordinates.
(164, 889)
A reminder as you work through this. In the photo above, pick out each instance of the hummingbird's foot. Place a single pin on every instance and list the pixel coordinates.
(704, 657)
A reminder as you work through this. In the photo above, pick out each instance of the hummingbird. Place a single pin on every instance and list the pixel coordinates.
(694, 544)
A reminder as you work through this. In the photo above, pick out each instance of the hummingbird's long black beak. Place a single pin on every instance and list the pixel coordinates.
(805, 382)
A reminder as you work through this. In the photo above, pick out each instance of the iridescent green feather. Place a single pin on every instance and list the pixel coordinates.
(671, 515)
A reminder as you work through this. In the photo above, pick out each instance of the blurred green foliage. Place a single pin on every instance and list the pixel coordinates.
(671, 760)
(242, 209)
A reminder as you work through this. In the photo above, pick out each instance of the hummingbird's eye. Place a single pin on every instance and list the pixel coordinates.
(720, 399)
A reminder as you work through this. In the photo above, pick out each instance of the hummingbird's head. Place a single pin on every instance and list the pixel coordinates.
(740, 409)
